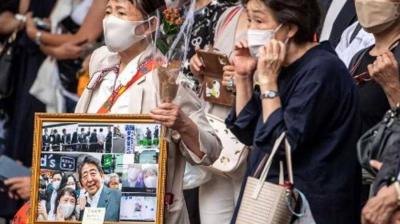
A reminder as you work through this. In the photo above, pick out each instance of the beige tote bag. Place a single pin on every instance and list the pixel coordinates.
(233, 153)
(264, 202)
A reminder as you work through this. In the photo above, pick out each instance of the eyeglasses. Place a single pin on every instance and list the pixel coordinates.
(362, 78)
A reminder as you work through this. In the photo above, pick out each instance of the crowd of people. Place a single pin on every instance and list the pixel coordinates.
(323, 72)
(63, 196)
(85, 141)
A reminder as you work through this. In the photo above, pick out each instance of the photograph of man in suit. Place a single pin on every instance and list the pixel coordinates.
(55, 140)
(82, 141)
(91, 177)
(74, 140)
(66, 140)
(45, 140)
(93, 141)
(109, 137)
(101, 138)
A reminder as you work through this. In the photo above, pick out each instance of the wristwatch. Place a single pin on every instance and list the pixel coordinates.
(269, 94)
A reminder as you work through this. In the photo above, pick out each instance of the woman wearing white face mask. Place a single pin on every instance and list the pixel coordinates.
(123, 81)
(51, 191)
(65, 206)
(150, 178)
(306, 91)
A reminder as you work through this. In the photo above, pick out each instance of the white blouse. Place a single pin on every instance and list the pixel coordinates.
(112, 81)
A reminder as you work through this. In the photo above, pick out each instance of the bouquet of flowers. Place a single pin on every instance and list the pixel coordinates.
(171, 21)
(172, 41)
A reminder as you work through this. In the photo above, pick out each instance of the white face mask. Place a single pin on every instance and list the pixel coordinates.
(56, 185)
(258, 38)
(150, 182)
(120, 34)
(72, 187)
(67, 209)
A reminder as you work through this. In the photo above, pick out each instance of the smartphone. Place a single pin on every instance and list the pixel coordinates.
(213, 62)
(41, 24)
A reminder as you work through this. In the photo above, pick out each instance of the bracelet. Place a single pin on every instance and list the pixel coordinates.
(38, 36)
(397, 187)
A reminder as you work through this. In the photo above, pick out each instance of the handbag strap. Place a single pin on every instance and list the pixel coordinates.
(9, 42)
(267, 167)
(288, 151)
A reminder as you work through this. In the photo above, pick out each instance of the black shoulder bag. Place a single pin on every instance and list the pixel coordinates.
(373, 144)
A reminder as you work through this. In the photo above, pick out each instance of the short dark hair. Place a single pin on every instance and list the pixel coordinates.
(61, 193)
(147, 7)
(59, 173)
(305, 14)
(89, 160)
(64, 181)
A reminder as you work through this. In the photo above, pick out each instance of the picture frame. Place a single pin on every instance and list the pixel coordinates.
(127, 148)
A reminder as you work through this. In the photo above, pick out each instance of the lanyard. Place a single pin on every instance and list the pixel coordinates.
(143, 69)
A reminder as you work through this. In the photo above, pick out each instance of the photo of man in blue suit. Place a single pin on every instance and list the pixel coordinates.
(97, 194)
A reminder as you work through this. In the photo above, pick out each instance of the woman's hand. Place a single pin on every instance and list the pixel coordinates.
(9, 24)
(270, 61)
(31, 28)
(228, 77)
(19, 187)
(376, 164)
(82, 202)
(196, 66)
(171, 116)
(60, 214)
(385, 71)
(42, 211)
(65, 51)
(380, 208)
(244, 64)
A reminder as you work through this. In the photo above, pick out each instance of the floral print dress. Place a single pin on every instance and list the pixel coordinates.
(205, 21)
